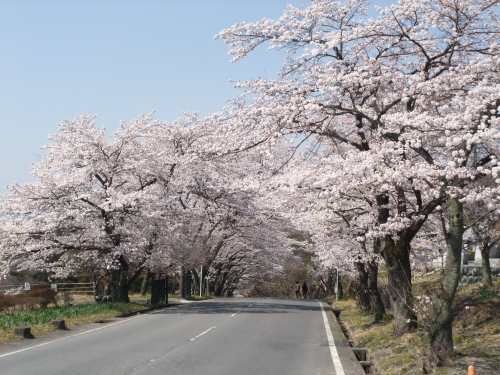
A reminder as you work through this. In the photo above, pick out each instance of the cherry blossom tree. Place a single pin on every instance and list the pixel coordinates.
(154, 196)
(86, 206)
(402, 110)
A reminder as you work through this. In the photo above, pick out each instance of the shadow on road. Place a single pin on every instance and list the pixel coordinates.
(258, 306)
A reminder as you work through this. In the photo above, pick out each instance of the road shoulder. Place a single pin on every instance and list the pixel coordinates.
(347, 357)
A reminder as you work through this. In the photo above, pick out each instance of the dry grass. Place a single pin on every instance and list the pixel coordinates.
(393, 355)
(476, 331)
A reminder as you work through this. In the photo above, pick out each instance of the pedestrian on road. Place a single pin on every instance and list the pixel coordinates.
(304, 290)
(297, 289)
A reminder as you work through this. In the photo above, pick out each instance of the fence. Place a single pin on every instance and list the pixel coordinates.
(436, 261)
(84, 288)
(5, 288)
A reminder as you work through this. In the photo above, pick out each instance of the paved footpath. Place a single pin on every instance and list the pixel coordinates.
(260, 336)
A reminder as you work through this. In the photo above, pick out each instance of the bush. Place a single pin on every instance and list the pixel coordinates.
(43, 295)
(6, 302)
(24, 302)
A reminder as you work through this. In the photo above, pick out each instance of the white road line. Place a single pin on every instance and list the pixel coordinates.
(339, 370)
(237, 312)
(65, 338)
(203, 333)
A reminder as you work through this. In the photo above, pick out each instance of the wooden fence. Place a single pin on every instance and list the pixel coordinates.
(435, 261)
(83, 288)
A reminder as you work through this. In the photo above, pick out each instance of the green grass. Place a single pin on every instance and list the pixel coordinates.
(40, 319)
(41, 316)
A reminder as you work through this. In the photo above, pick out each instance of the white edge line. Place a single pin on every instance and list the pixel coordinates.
(65, 338)
(339, 370)
(203, 333)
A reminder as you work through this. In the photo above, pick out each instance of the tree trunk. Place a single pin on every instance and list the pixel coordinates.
(95, 280)
(338, 283)
(485, 262)
(397, 260)
(362, 293)
(442, 296)
(144, 285)
(330, 283)
(119, 286)
(377, 304)
(121, 280)
(196, 281)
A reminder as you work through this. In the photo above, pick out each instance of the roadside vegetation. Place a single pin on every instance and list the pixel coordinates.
(476, 333)
(39, 319)
(39, 307)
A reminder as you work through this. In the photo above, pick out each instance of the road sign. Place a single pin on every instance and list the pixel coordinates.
(202, 260)
(27, 286)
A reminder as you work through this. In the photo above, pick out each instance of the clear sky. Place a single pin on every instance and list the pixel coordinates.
(120, 58)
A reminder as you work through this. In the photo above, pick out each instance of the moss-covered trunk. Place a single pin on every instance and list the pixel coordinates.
(363, 296)
(396, 255)
(145, 280)
(441, 317)
(121, 280)
(397, 260)
(377, 304)
(485, 262)
(119, 286)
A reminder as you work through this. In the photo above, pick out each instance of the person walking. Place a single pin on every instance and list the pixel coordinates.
(304, 290)
(296, 288)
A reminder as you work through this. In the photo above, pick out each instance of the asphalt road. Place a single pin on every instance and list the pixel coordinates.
(213, 337)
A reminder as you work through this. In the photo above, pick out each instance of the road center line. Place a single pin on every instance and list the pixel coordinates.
(237, 312)
(65, 338)
(203, 333)
(339, 370)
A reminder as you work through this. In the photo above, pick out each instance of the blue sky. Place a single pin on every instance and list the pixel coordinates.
(120, 58)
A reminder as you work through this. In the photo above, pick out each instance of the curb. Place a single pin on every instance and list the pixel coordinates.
(126, 315)
(363, 355)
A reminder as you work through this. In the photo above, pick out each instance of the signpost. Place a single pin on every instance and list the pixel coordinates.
(201, 262)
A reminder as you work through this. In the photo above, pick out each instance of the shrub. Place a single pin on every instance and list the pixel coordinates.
(6, 302)
(24, 302)
(43, 294)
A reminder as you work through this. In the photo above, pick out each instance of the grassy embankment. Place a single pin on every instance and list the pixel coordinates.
(84, 311)
(40, 319)
(476, 333)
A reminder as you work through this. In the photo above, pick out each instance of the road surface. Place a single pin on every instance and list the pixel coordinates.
(213, 337)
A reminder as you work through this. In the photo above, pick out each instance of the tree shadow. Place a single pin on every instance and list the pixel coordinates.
(247, 306)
